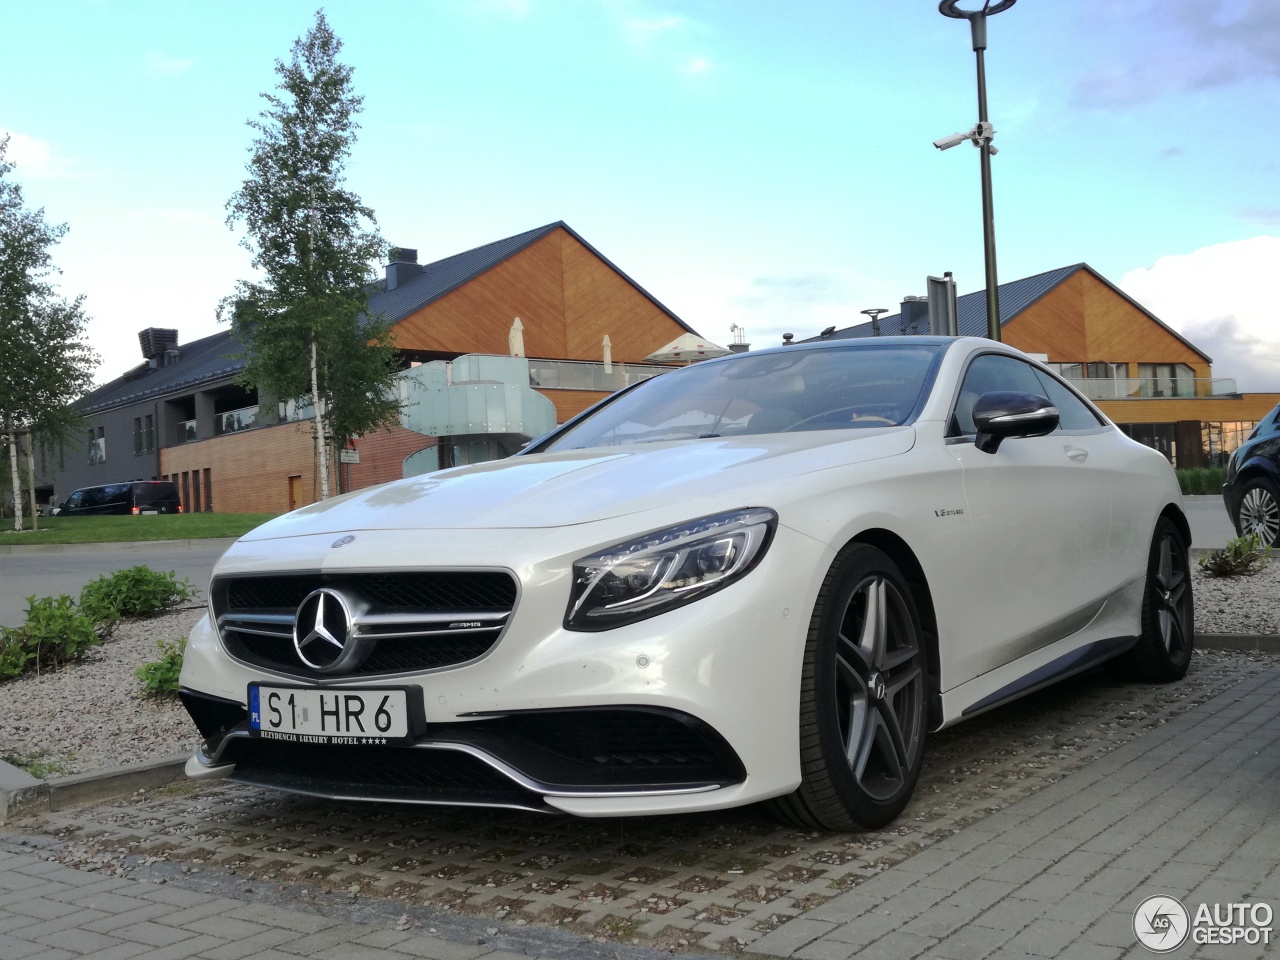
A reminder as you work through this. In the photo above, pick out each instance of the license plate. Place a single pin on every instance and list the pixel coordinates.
(335, 716)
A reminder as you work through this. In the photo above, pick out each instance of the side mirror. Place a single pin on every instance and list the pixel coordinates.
(1000, 415)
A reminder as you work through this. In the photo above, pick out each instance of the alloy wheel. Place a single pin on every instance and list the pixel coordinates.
(1173, 596)
(1260, 514)
(879, 688)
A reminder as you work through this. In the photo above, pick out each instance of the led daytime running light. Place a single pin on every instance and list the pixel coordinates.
(668, 568)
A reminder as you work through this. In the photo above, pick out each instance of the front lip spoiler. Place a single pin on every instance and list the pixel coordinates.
(202, 765)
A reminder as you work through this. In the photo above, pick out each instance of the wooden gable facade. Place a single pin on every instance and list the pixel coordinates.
(568, 298)
(1084, 319)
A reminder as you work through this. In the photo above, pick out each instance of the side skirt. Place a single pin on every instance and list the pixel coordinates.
(1077, 661)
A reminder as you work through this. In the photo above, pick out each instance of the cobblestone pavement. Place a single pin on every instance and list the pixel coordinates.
(712, 882)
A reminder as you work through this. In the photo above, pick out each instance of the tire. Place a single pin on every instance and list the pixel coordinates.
(1258, 511)
(1163, 651)
(862, 698)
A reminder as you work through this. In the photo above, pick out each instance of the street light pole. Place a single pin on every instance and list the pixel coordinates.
(978, 28)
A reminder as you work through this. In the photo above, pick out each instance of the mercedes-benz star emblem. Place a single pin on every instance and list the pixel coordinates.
(322, 629)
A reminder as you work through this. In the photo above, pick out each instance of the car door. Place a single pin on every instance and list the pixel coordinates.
(1040, 510)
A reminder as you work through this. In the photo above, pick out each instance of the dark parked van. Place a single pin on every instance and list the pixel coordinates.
(135, 497)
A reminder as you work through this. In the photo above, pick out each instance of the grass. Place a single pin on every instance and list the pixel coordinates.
(183, 526)
(38, 767)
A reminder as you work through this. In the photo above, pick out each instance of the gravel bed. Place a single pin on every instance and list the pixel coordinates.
(1243, 605)
(93, 714)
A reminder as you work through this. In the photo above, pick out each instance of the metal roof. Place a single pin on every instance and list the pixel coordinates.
(215, 357)
(971, 309)
(1015, 297)
(201, 361)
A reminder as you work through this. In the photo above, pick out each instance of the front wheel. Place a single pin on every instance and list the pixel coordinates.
(862, 708)
(1259, 511)
(1163, 652)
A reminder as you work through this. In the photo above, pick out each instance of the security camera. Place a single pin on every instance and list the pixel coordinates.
(946, 143)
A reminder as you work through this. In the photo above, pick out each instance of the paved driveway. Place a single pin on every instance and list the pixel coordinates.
(49, 571)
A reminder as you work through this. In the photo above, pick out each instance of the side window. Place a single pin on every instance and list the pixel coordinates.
(1073, 414)
(987, 373)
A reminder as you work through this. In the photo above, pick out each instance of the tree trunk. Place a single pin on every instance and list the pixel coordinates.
(17, 487)
(322, 452)
(31, 479)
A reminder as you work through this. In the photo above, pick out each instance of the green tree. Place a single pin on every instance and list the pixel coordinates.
(304, 327)
(45, 365)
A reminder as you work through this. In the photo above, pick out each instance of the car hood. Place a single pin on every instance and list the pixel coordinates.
(584, 486)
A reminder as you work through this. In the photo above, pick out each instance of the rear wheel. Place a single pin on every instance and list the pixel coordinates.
(862, 709)
(1163, 652)
(1259, 511)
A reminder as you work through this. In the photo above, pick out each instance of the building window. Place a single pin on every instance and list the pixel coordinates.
(1219, 439)
(1107, 371)
(195, 491)
(98, 445)
(1167, 380)
(1158, 436)
(186, 491)
(144, 435)
(208, 490)
(1068, 371)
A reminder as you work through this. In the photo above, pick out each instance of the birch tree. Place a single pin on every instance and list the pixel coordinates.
(303, 324)
(45, 364)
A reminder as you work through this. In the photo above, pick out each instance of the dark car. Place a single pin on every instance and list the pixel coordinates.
(1252, 490)
(134, 497)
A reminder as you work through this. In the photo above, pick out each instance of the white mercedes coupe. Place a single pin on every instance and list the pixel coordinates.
(760, 578)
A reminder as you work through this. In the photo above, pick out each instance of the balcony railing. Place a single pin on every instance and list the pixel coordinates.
(233, 421)
(187, 431)
(1145, 388)
(579, 375)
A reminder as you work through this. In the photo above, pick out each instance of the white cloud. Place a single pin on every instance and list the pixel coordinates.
(32, 157)
(697, 66)
(1221, 299)
(1180, 45)
(156, 64)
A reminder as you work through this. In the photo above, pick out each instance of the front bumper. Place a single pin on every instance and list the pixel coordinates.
(695, 709)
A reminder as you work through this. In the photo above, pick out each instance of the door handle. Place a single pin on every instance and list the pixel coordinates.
(1078, 454)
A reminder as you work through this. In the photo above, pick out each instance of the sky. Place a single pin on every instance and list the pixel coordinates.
(749, 163)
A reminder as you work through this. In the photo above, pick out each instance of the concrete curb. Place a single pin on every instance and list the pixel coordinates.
(1238, 641)
(22, 793)
(123, 546)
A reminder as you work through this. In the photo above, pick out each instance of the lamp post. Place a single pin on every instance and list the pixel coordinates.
(874, 314)
(981, 138)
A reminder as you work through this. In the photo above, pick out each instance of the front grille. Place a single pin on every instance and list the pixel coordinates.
(404, 622)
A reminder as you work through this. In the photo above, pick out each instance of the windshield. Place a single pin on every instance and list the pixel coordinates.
(856, 387)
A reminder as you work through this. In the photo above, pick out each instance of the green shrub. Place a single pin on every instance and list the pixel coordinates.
(135, 592)
(1201, 480)
(55, 633)
(160, 677)
(59, 630)
(1244, 556)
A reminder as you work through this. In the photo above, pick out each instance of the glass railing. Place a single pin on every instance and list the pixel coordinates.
(233, 421)
(1146, 388)
(580, 375)
(187, 431)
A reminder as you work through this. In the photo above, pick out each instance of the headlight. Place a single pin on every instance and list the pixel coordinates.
(667, 568)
